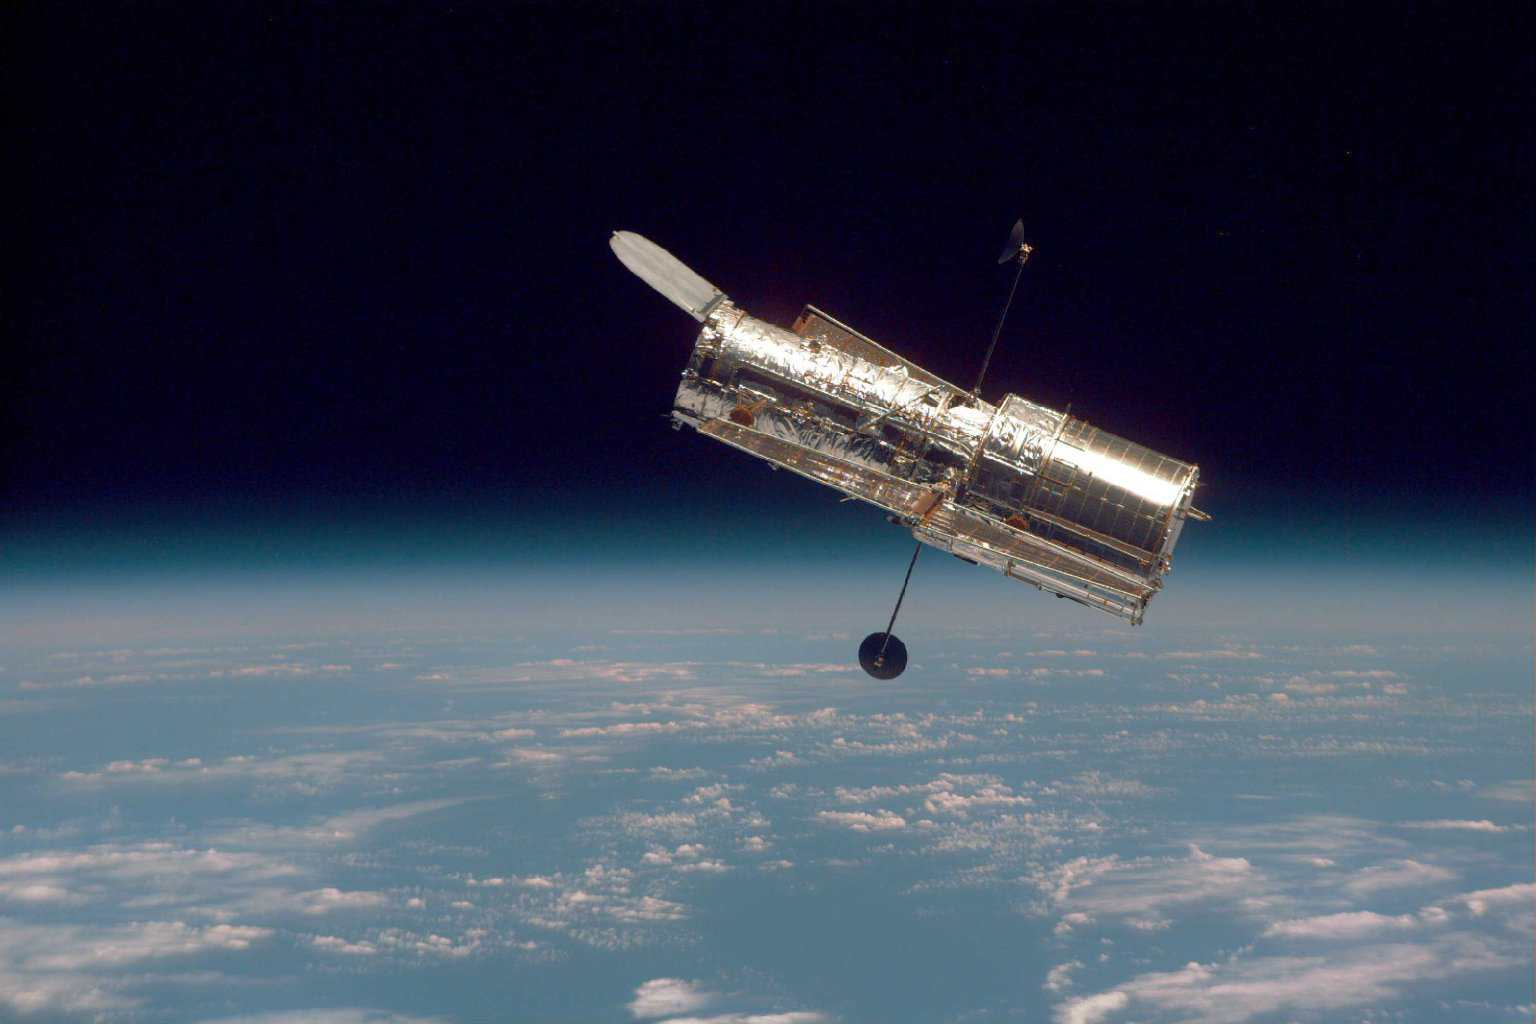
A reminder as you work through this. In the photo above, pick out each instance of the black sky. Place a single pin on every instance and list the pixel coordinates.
(337, 254)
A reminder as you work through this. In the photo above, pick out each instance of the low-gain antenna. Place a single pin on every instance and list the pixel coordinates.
(882, 655)
(1017, 249)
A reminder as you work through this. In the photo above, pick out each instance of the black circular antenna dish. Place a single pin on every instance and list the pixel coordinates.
(883, 665)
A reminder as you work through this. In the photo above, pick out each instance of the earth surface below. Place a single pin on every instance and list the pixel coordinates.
(587, 822)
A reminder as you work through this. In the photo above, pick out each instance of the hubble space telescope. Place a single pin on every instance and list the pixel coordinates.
(1034, 493)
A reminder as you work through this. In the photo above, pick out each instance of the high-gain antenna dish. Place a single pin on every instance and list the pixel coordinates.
(883, 656)
(1016, 250)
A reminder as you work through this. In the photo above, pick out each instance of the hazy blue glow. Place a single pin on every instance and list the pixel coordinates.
(529, 791)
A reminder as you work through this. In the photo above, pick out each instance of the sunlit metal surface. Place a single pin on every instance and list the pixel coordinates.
(666, 273)
(1026, 490)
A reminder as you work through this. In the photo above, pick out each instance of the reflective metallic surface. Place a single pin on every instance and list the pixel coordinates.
(666, 273)
(1029, 491)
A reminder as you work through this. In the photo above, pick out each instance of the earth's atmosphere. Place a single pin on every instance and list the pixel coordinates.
(346, 797)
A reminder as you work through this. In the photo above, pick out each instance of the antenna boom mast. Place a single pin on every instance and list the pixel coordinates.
(1018, 250)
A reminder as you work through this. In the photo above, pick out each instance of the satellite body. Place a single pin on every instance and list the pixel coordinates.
(1032, 492)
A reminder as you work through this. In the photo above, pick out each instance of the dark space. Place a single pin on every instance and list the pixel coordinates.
(354, 257)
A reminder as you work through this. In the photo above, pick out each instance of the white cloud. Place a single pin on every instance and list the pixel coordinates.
(863, 821)
(794, 670)
(1516, 791)
(961, 804)
(711, 867)
(286, 669)
(75, 968)
(1350, 925)
(323, 901)
(557, 669)
(599, 906)
(37, 893)
(112, 871)
(335, 944)
(328, 1015)
(308, 773)
(1323, 836)
(1399, 874)
(1521, 896)
(1059, 978)
(1076, 919)
(1090, 1009)
(132, 943)
(1142, 889)
(789, 1017)
(948, 794)
(662, 997)
(1482, 825)
(1244, 988)
(630, 729)
(338, 829)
